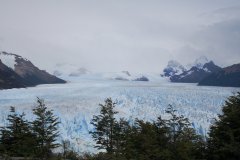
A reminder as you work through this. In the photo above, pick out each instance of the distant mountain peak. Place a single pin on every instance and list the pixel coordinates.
(127, 73)
(200, 62)
(65, 69)
(173, 68)
(194, 73)
(79, 72)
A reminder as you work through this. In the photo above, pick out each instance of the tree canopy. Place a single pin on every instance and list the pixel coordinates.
(224, 135)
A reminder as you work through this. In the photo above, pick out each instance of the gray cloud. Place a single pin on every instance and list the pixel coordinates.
(108, 35)
(220, 40)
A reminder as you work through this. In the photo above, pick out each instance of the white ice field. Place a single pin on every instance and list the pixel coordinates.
(77, 101)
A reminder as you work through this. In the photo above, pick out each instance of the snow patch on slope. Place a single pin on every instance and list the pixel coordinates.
(8, 60)
(173, 68)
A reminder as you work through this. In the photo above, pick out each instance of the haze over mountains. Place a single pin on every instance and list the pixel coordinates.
(18, 72)
(197, 72)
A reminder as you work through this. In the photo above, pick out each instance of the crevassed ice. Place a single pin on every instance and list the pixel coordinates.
(76, 103)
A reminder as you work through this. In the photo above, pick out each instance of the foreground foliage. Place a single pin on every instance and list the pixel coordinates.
(171, 138)
(118, 139)
(224, 137)
(21, 138)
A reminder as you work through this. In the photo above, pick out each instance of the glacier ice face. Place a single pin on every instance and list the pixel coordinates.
(76, 103)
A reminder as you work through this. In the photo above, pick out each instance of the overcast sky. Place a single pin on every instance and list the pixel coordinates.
(115, 35)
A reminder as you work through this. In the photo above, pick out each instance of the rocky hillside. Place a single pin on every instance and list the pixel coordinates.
(226, 77)
(18, 72)
(9, 79)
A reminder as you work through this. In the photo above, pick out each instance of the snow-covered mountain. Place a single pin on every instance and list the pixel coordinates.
(17, 71)
(65, 70)
(195, 72)
(173, 68)
(73, 73)
(126, 76)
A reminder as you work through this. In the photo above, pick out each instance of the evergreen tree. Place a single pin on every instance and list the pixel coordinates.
(142, 141)
(183, 139)
(17, 138)
(105, 124)
(165, 139)
(45, 129)
(176, 124)
(224, 136)
(121, 129)
(65, 147)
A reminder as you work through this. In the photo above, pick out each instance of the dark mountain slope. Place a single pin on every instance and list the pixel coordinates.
(18, 72)
(196, 74)
(9, 79)
(32, 74)
(227, 77)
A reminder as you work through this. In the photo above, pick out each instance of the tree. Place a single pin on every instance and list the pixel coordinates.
(65, 147)
(142, 141)
(105, 127)
(122, 130)
(68, 151)
(45, 129)
(183, 140)
(164, 139)
(17, 137)
(224, 136)
(176, 124)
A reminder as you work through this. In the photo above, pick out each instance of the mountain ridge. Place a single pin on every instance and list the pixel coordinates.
(196, 73)
(201, 68)
(226, 77)
(18, 72)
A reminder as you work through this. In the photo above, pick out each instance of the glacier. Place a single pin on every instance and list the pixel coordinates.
(76, 102)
